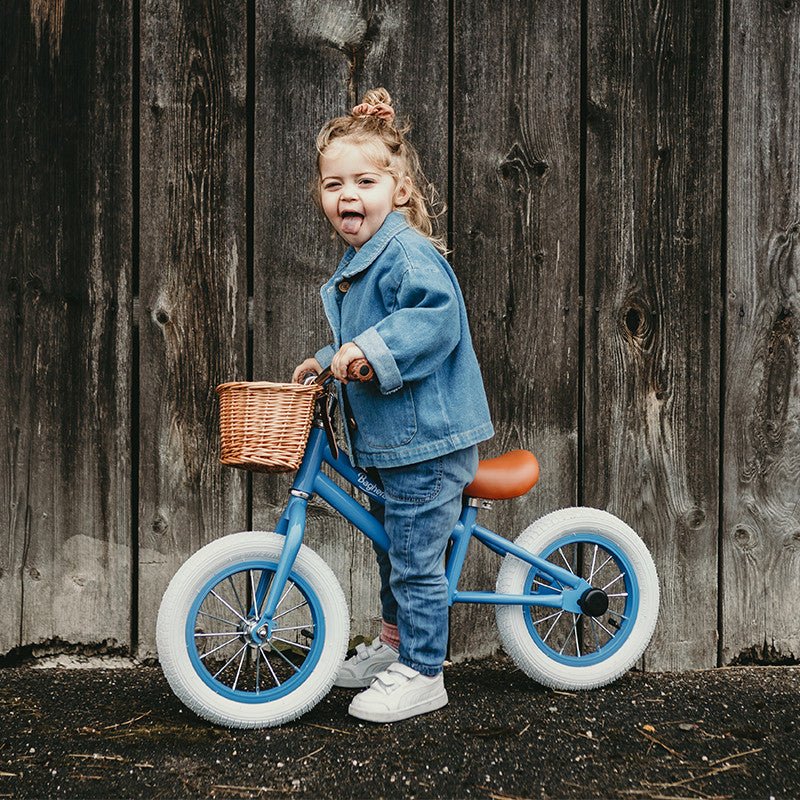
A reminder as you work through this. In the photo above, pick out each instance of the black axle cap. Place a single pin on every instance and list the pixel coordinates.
(594, 602)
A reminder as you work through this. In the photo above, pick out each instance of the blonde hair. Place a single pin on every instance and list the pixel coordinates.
(389, 149)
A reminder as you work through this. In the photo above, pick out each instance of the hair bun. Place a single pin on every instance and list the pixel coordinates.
(375, 96)
(376, 103)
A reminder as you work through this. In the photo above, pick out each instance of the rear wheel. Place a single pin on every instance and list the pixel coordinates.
(207, 614)
(569, 650)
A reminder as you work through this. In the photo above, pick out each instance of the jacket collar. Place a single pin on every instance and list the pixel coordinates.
(354, 262)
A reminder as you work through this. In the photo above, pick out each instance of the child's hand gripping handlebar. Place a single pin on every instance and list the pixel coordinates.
(358, 370)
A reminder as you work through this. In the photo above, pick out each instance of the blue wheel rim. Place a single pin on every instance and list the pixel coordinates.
(241, 688)
(590, 643)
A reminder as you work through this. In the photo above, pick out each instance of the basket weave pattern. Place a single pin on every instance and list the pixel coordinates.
(264, 426)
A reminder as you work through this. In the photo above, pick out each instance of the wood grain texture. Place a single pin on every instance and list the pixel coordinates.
(761, 469)
(313, 62)
(653, 221)
(516, 194)
(65, 242)
(193, 327)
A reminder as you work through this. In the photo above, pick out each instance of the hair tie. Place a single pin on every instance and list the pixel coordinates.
(381, 110)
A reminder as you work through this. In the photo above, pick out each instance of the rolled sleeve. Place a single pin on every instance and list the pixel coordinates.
(381, 359)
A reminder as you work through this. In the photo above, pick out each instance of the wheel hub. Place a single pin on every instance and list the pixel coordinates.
(254, 635)
(594, 602)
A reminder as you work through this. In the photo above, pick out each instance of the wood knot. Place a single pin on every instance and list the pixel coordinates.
(517, 164)
(792, 541)
(695, 518)
(159, 526)
(161, 316)
(745, 538)
(636, 322)
(34, 574)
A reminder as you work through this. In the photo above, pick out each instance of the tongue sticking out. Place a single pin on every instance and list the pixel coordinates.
(351, 224)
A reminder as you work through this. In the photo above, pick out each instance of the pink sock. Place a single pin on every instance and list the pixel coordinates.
(390, 635)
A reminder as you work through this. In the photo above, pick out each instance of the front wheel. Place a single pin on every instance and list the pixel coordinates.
(567, 650)
(203, 633)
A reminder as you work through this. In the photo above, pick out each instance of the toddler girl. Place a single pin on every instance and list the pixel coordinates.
(395, 301)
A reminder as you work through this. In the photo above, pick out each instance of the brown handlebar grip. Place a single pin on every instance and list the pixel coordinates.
(360, 370)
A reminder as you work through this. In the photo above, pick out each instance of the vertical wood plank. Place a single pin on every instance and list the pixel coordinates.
(653, 221)
(193, 327)
(761, 471)
(65, 217)
(516, 193)
(313, 62)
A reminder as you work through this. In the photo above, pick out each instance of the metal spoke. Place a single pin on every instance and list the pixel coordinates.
(621, 575)
(603, 627)
(266, 594)
(223, 633)
(269, 666)
(225, 665)
(619, 594)
(603, 564)
(289, 610)
(258, 671)
(547, 585)
(549, 616)
(219, 647)
(239, 671)
(252, 593)
(565, 561)
(594, 558)
(594, 631)
(293, 666)
(310, 626)
(228, 606)
(293, 644)
(575, 631)
(566, 641)
(555, 622)
(219, 619)
(288, 589)
(236, 594)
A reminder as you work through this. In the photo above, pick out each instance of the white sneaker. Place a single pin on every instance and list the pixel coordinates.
(359, 670)
(399, 693)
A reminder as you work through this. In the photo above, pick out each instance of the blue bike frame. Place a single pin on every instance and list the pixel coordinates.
(310, 480)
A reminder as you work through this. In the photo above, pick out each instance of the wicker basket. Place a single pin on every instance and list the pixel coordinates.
(264, 426)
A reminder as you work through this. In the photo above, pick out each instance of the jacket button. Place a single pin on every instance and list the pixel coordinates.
(344, 286)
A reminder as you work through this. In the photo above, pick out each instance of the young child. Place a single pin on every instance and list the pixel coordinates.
(395, 301)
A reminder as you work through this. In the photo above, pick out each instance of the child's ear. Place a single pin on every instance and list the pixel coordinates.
(402, 194)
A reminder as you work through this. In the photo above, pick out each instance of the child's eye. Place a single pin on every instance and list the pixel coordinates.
(367, 181)
(331, 185)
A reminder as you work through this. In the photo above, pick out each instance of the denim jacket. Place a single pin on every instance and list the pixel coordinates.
(399, 301)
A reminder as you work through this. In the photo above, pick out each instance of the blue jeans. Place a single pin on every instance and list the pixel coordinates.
(423, 504)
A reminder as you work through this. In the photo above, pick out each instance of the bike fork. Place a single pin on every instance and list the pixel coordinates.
(291, 525)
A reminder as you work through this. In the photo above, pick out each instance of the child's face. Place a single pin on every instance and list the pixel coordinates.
(357, 195)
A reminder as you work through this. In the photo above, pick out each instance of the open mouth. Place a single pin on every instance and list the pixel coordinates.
(351, 222)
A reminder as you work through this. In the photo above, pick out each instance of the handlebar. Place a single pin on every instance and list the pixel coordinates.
(358, 370)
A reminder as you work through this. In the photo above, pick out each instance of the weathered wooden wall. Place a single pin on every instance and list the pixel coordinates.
(65, 322)
(623, 199)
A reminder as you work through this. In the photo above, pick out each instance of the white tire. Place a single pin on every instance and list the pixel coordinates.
(565, 650)
(261, 686)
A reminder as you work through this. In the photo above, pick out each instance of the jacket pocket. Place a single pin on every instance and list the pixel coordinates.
(384, 421)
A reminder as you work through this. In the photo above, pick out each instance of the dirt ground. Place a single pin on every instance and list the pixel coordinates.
(102, 733)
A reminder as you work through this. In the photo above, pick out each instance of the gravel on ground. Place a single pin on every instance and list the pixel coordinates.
(100, 733)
